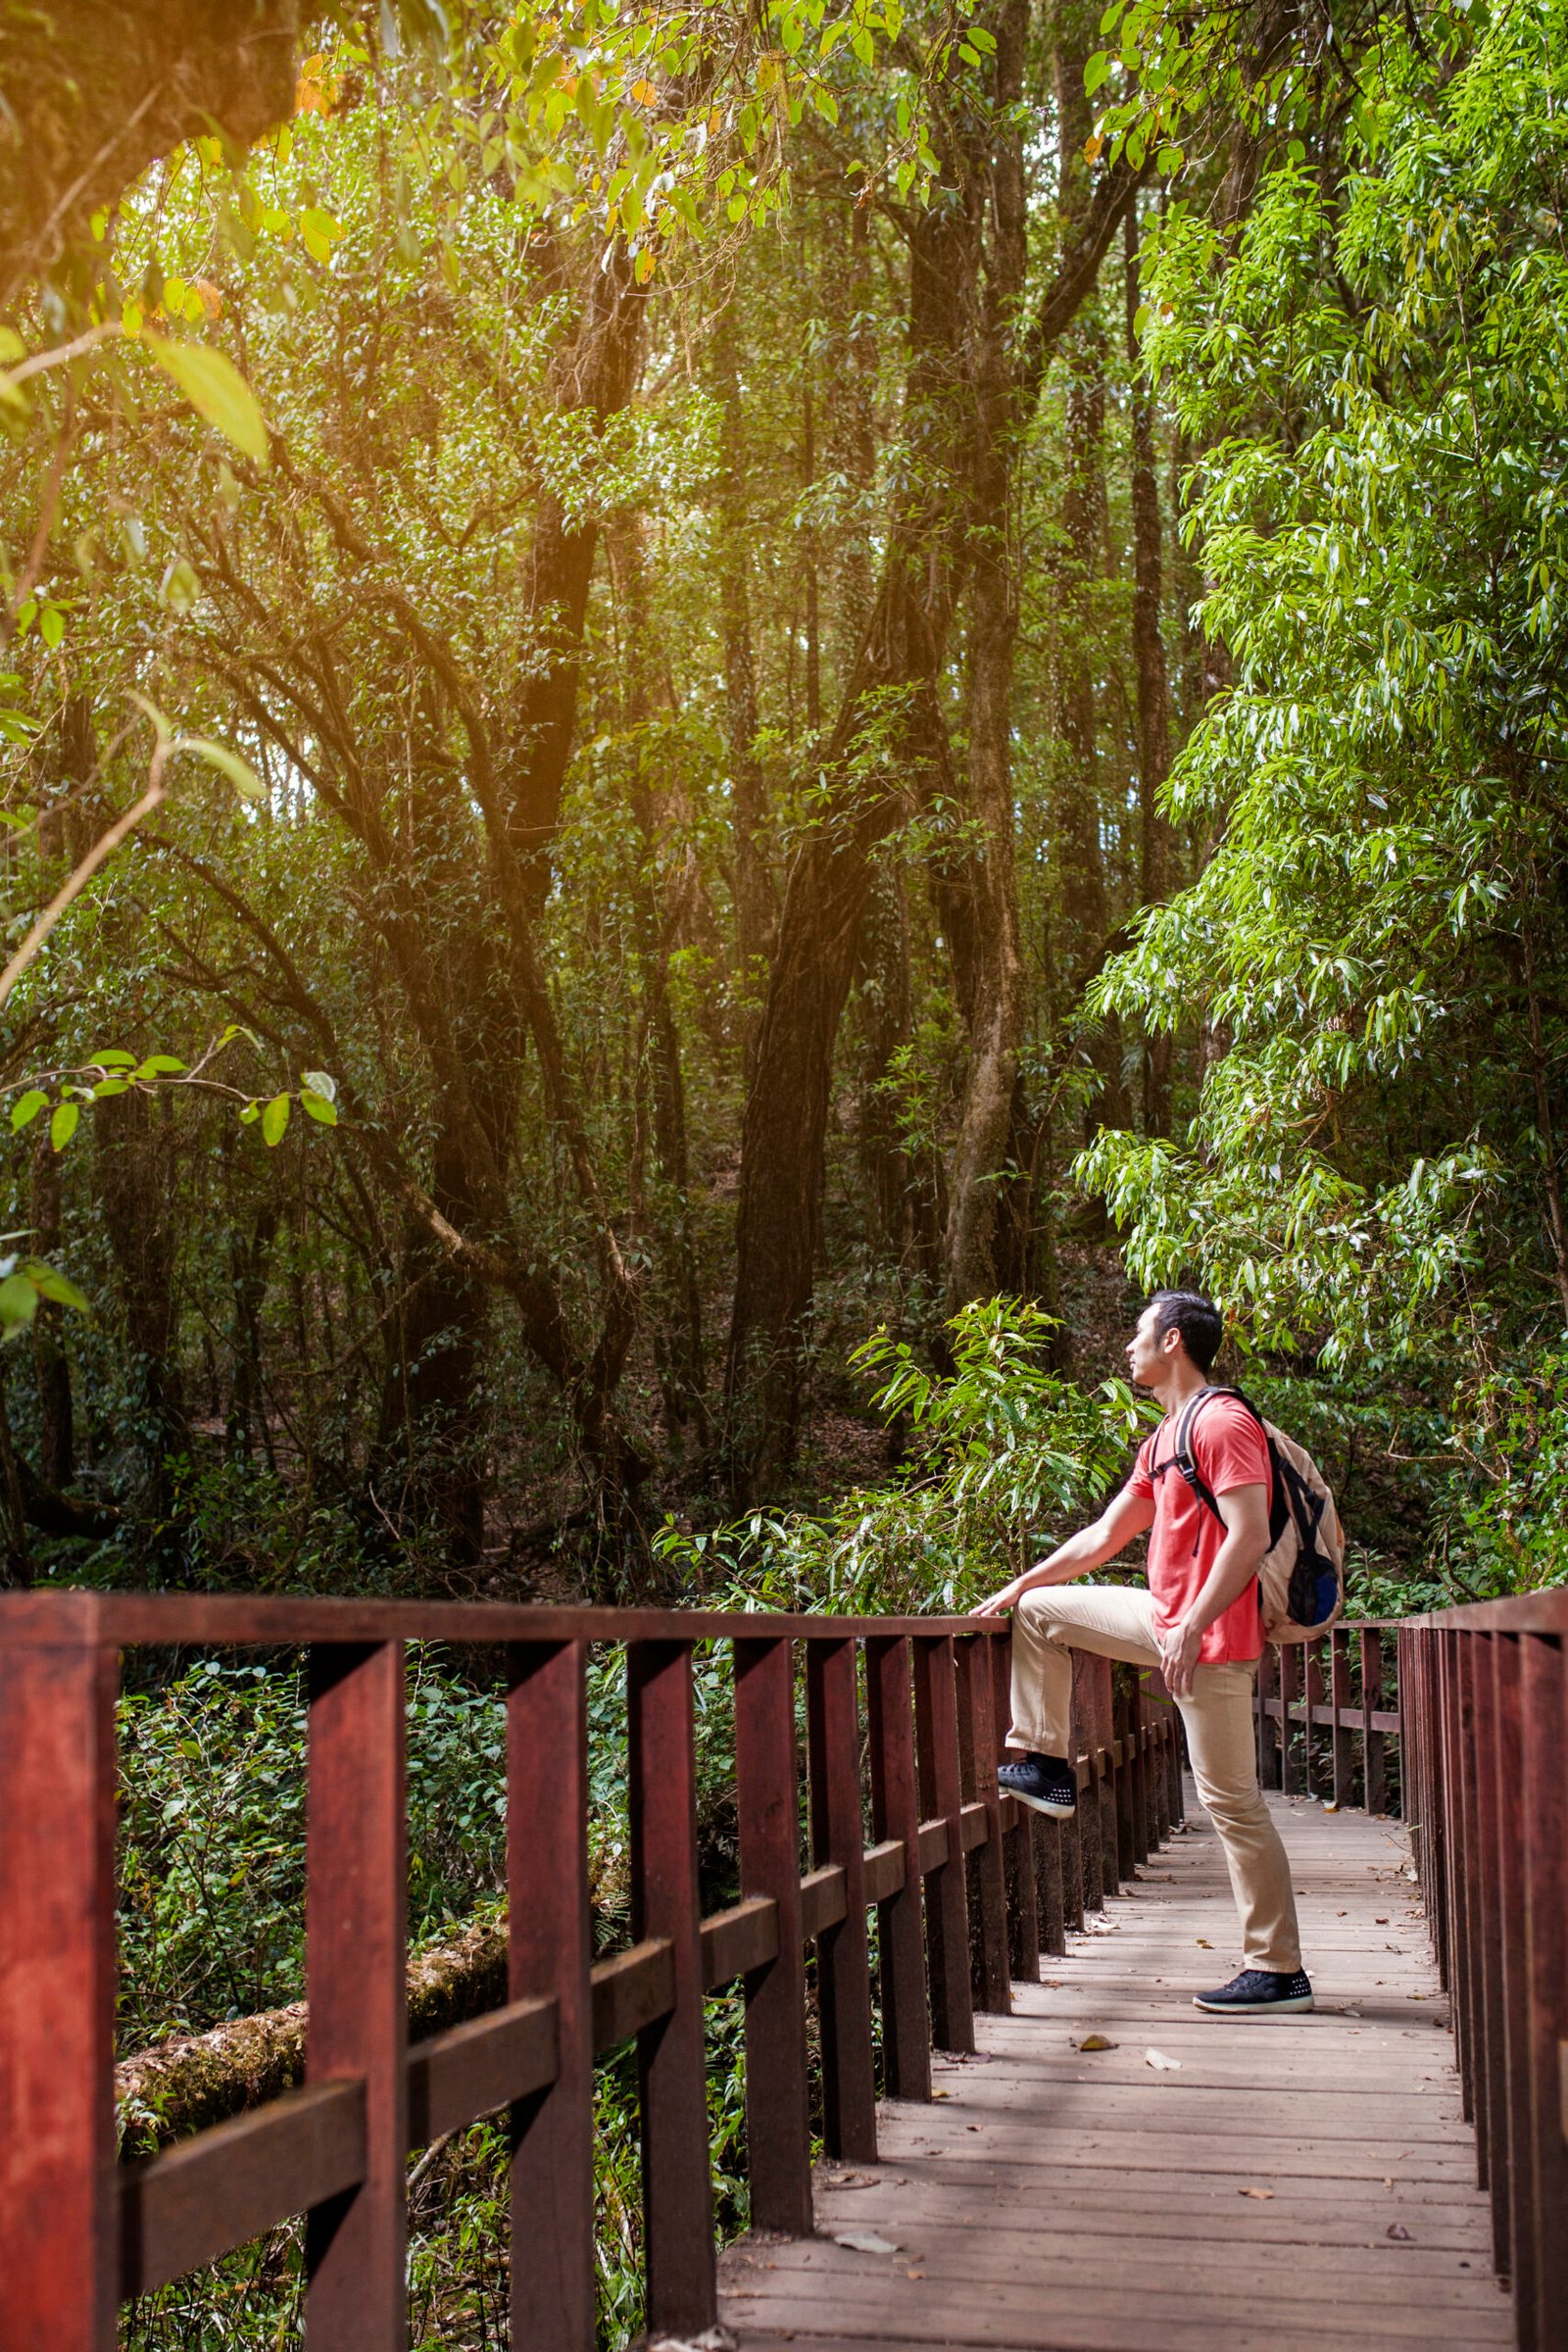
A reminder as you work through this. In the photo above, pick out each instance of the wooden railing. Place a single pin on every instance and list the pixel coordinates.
(1335, 1685)
(903, 1720)
(1485, 1700)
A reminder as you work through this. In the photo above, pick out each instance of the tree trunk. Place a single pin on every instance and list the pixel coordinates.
(756, 907)
(51, 1364)
(135, 1154)
(594, 374)
(891, 723)
(1148, 659)
(95, 90)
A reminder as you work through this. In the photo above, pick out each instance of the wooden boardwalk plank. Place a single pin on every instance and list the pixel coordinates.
(1051, 2199)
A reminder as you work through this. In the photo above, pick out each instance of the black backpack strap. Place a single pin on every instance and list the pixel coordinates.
(1181, 1459)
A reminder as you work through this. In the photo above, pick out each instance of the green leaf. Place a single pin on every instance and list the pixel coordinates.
(180, 587)
(24, 1112)
(216, 390)
(50, 1283)
(321, 1084)
(319, 1108)
(250, 1114)
(51, 626)
(241, 773)
(1095, 70)
(19, 1303)
(160, 1065)
(63, 1126)
(274, 1118)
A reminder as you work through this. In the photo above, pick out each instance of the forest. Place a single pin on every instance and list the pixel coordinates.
(718, 722)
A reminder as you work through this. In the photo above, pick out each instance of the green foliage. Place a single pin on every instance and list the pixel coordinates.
(996, 1448)
(1377, 941)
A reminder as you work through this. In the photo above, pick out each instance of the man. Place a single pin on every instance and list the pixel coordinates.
(1201, 1622)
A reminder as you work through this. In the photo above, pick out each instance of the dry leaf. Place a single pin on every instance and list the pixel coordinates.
(1397, 2229)
(852, 2179)
(1254, 2193)
(1202, 1944)
(1094, 2042)
(914, 2274)
(1380, 1922)
(1158, 2058)
(865, 2242)
(1388, 2179)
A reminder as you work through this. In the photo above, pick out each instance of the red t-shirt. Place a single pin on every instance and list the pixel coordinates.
(1229, 1449)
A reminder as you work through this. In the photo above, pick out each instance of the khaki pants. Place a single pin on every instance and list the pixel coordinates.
(1052, 1620)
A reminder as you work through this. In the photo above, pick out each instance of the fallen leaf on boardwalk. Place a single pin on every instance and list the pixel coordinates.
(1202, 1944)
(865, 2242)
(1329, 1806)
(852, 2179)
(1254, 2193)
(1388, 2179)
(1399, 2229)
(1380, 1922)
(942, 2095)
(914, 2274)
(1350, 2012)
(1158, 2058)
(1094, 2042)
(974, 2126)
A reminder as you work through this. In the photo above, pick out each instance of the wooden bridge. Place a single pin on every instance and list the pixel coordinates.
(1063, 2154)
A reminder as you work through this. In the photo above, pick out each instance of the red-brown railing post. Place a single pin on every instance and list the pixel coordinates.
(1289, 1678)
(778, 2139)
(1268, 1728)
(672, 2053)
(1490, 2089)
(356, 1914)
(1375, 1784)
(946, 1910)
(1085, 1743)
(58, 2269)
(842, 1959)
(1022, 1897)
(1340, 1700)
(1126, 1791)
(1543, 1794)
(978, 1750)
(1137, 1732)
(896, 1813)
(1513, 1823)
(550, 1953)
(1460, 1797)
(1102, 1684)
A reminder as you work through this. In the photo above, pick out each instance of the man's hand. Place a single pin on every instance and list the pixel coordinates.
(1178, 1655)
(1000, 1602)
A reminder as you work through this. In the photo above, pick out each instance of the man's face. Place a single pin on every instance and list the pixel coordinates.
(1147, 1351)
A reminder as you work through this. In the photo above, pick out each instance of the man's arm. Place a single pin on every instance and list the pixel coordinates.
(1125, 1517)
(1245, 1511)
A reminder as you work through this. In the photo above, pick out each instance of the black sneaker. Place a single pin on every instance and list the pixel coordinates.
(1257, 1993)
(1048, 1783)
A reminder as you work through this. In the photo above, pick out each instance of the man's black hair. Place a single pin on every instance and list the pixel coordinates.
(1196, 1317)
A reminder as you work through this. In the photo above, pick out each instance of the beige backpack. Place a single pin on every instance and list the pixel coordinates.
(1302, 1571)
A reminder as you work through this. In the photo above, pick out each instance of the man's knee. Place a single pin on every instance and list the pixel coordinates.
(1234, 1807)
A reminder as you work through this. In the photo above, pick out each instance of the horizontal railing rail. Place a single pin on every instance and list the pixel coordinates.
(1485, 1699)
(903, 1720)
